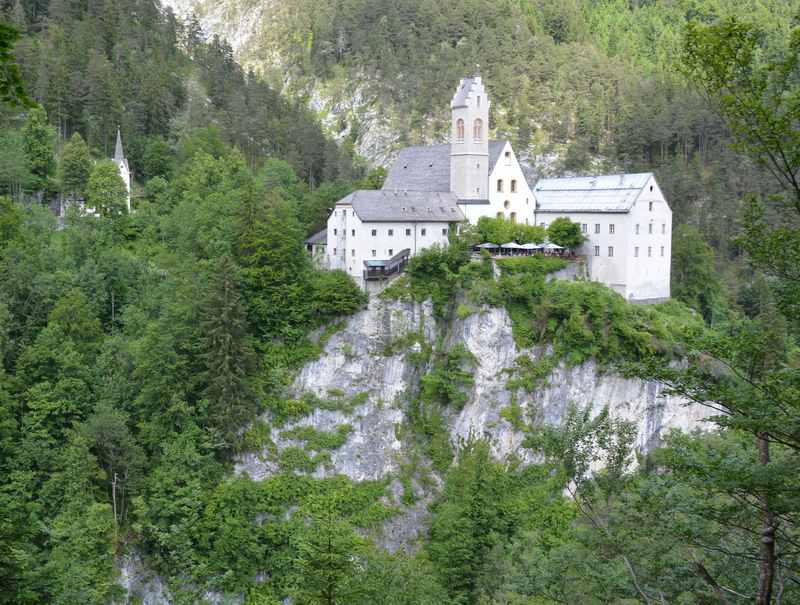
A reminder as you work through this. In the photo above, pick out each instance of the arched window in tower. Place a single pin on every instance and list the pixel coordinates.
(460, 130)
(477, 131)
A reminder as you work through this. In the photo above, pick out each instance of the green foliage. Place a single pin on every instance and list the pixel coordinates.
(106, 191)
(12, 86)
(319, 440)
(565, 233)
(448, 378)
(227, 355)
(532, 265)
(38, 143)
(75, 166)
(501, 231)
(695, 279)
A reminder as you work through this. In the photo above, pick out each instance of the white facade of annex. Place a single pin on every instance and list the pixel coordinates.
(628, 250)
(352, 241)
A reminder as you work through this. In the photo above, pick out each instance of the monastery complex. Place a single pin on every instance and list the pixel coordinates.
(431, 190)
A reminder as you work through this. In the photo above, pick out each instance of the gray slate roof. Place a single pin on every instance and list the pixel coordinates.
(320, 237)
(609, 193)
(428, 168)
(403, 206)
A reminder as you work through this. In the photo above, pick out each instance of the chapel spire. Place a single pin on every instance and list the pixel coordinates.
(119, 154)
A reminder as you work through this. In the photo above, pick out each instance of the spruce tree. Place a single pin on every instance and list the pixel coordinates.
(38, 142)
(227, 357)
(76, 165)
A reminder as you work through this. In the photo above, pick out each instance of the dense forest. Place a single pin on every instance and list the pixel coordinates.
(141, 353)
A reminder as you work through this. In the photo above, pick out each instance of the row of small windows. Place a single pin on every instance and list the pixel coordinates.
(611, 228)
(635, 251)
(500, 185)
(477, 129)
(390, 232)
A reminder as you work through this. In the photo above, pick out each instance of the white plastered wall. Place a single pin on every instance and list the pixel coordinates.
(521, 203)
(649, 272)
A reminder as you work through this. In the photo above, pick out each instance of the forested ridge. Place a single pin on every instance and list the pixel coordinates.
(141, 353)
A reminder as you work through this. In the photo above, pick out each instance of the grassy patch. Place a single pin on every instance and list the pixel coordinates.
(319, 440)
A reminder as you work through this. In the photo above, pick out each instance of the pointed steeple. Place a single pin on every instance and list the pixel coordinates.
(119, 155)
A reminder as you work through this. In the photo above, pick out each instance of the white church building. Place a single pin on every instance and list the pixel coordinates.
(430, 190)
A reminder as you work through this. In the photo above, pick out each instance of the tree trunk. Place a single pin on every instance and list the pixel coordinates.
(766, 572)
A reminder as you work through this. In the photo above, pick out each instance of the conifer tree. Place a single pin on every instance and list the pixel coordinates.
(76, 165)
(326, 565)
(38, 140)
(227, 357)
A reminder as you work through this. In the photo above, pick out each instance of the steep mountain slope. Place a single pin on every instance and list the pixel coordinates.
(362, 385)
(576, 86)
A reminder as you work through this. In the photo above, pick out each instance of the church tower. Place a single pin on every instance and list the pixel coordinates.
(122, 165)
(469, 146)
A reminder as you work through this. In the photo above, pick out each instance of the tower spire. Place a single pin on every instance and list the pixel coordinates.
(119, 155)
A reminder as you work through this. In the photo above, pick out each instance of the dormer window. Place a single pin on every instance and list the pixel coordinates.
(477, 130)
(459, 129)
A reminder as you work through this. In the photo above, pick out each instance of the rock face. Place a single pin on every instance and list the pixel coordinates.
(362, 363)
(368, 363)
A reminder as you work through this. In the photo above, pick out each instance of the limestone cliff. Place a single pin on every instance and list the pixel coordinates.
(361, 364)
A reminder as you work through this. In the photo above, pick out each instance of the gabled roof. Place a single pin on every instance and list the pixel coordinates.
(320, 237)
(373, 206)
(428, 168)
(608, 193)
(420, 169)
(495, 149)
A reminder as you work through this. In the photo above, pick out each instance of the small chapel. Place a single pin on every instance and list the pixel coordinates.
(429, 191)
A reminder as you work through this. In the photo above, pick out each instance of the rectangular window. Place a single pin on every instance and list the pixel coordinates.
(650, 228)
(597, 227)
(408, 231)
(611, 228)
(391, 232)
(353, 232)
(649, 250)
(513, 186)
(584, 228)
(353, 252)
(636, 251)
(610, 251)
(637, 228)
(422, 231)
(374, 232)
(597, 250)
(336, 232)
(374, 253)
(444, 231)
(662, 250)
(663, 228)
(651, 206)
(391, 252)
(500, 185)
(334, 251)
